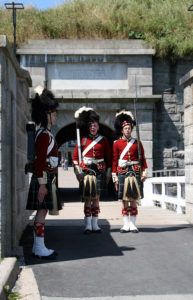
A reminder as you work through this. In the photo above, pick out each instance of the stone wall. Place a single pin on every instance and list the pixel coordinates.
(187, 83)
(168, 124)
(102, 74)
(14, 113)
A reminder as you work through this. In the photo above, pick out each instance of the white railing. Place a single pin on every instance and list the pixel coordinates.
(168, 192)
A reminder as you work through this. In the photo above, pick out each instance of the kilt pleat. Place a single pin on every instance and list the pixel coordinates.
(33, 203)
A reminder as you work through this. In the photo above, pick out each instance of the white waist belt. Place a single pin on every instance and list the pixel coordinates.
(89, 160)
(124, 163)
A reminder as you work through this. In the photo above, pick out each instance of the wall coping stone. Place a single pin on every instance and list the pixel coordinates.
(186, 78)
(85, 47)
(6, 47)
(100, 94)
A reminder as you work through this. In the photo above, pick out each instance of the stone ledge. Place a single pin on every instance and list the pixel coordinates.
(54, 51)
(91, 47)
(6, 47)
(9, 270)
(186, 78)
(108, 95)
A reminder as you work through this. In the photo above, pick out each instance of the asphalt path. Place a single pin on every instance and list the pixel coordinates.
(156, 261)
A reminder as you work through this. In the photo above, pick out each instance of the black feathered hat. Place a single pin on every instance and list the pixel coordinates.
(43, 104)
(84, 116)
(123, 118)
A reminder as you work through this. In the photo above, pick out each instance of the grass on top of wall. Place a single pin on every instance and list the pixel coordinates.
(166, 24)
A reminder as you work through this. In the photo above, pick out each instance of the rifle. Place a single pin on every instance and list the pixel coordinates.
(76, 115)
(78, 143)
(137, 125)
(46, 70)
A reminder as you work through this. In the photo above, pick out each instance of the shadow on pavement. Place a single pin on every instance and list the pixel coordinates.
(72, 244)
(157, 228)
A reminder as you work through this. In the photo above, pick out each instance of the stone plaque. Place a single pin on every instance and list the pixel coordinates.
(88, 76)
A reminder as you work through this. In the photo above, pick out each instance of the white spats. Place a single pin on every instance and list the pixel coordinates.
(126, 226)
(133, 227)
(39, 249)
(88, 226)
(95, 226)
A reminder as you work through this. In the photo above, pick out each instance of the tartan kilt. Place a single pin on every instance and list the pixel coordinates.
(100, 179)
(121, 178)
(33, 203)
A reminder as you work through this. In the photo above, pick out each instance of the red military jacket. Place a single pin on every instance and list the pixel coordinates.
(41, 166)
(101, 150)
(131, 155)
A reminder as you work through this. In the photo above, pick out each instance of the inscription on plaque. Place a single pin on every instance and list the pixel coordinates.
(88, 76)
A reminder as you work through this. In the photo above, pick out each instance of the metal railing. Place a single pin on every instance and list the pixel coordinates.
(167, 192)
(168, 172)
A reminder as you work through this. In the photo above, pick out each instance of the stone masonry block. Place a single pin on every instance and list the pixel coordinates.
(190, 134)
(180, 163)
(170, 163)
(180, 108)
(21, 200)
(145, 126)
(148, 148)
(186, 137)
(167, 154)
(171, 108)
(189, 212)
(21, 159)
(189, 193)
(140, 71)
(21, 180)
(149, 163)
(189, 155)
(189, 174)
(21, 118)
(170, 98)
(180, 128)
(160, 67)
(188, 95)
(175, 117)
(147, 135)
(188, 116)
(178, 154)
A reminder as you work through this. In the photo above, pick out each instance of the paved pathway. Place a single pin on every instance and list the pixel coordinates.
(155, 264)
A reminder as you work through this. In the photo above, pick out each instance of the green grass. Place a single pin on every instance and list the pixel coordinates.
(166, 24)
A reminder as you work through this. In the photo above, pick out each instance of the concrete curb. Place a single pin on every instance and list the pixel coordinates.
(9, 270)
(26, 285)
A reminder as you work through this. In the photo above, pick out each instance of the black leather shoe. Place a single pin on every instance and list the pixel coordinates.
(124, 231)
(97, 231)
(51, 256)
(87, 231)
(135, 231)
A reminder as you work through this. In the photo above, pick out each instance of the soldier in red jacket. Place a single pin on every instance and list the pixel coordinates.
(42, 192)
(94, 165)
(127, 173)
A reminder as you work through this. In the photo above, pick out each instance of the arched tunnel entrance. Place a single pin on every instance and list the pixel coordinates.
(66, 141)
(68, 133)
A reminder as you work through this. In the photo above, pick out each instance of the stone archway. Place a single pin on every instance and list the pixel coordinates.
(68, 133)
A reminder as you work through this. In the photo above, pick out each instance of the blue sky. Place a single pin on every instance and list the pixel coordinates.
(40, 4)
